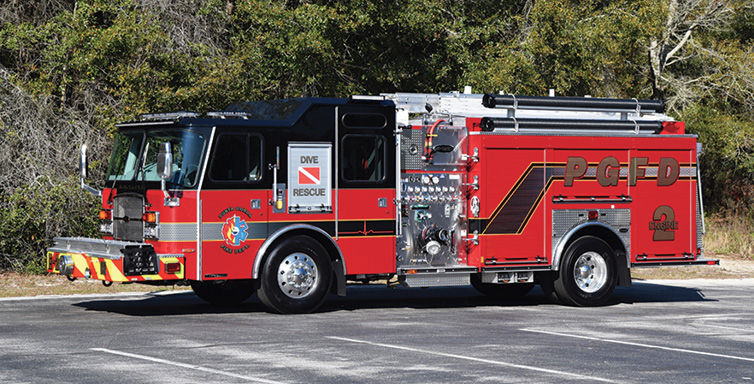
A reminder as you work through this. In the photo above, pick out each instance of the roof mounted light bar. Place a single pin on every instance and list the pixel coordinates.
(168, 115)
(226, 114)
(367, 98)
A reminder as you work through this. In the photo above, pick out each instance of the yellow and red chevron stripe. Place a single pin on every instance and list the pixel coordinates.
(112, 270)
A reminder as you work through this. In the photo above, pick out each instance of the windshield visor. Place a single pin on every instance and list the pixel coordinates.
(135, 156)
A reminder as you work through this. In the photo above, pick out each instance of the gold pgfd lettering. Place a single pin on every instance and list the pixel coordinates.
(608, 170)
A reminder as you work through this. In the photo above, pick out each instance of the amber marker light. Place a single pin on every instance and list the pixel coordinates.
(149, 217)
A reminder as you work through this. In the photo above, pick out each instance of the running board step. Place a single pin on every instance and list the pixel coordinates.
(434, 279)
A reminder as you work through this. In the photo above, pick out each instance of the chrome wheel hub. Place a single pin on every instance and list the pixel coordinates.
(590, 272)
(297, 275)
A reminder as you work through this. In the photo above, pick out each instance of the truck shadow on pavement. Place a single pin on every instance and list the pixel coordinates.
(370, 297)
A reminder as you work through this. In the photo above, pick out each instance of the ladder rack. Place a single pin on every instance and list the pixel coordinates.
(455, 104)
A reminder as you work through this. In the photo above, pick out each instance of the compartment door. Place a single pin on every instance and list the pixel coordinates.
(513, 204)
(664, 210)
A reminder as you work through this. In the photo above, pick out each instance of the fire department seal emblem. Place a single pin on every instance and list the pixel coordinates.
(235, 231)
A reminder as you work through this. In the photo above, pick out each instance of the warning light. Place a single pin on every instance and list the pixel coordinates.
(593, 215)
(173, 267)
(149, 217)
(673, 128)
(105, 214)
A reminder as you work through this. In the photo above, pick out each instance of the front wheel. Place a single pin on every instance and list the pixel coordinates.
(587, 274)
(295, 277)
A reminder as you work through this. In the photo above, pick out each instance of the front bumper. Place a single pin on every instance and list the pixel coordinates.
(112, 260)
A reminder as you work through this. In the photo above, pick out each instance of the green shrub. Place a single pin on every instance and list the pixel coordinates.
(33, 214)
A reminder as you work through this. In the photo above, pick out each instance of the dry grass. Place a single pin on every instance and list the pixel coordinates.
(14, 284)
(730, 235)
(728, 238)
(731, 267)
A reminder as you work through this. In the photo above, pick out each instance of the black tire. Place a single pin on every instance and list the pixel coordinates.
(227, 292)
(282, 290)
(587, 274)
(501, 291)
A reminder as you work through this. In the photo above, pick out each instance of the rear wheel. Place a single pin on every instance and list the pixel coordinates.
(587, 274)
(226, 292)
(295, 277)
(501, 291)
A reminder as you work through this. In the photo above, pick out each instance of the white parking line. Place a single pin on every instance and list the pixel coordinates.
(188, 366)
(116, 295)
(475, 359)
(640, 345)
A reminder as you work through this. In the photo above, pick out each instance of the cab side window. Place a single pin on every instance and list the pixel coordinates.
(237, 158)
(363, 158)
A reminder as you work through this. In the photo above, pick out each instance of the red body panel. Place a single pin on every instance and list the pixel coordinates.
(364, 235)
(524, 178)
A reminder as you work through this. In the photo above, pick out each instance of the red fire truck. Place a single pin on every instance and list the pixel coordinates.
(292, 199)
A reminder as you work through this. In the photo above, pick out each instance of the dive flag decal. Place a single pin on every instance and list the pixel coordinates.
(308, 175)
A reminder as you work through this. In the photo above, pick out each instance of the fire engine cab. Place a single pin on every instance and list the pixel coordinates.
(292, 199)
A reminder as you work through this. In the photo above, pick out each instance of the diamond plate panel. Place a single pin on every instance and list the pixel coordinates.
(435, 280)
(565, 220)
(178, 232)
(411, 138)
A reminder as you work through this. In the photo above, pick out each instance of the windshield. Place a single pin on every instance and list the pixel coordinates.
(129, 162)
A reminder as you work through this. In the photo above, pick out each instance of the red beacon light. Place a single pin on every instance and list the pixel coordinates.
(673, 128)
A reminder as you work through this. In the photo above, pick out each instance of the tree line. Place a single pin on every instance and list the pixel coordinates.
(71, 69)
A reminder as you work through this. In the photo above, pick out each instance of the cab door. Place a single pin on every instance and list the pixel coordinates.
(234, 206)
(365, 222)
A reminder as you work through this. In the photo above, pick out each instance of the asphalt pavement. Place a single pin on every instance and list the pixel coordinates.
(692, 331)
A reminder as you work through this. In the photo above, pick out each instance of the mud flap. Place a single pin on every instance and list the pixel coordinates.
(624, 273)
(339, 288)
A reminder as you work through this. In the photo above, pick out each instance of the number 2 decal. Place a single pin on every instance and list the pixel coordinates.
(664, 230)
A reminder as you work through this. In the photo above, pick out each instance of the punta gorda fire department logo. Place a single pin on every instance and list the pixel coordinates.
(235, 231)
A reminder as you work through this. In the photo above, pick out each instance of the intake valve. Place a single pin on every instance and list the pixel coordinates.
(433, 239)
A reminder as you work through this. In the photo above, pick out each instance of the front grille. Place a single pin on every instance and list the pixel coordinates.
(127, 212)
(140, 260)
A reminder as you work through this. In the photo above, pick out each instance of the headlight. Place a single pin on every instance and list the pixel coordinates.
(151, 232)
(106, 227)
(151, 222)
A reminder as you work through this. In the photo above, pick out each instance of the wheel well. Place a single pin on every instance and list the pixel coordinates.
(333, 252)
(607, 235)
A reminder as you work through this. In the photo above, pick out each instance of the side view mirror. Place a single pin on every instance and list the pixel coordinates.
(83, 167)
(165, 161)
(165, 171)
(83, 163)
